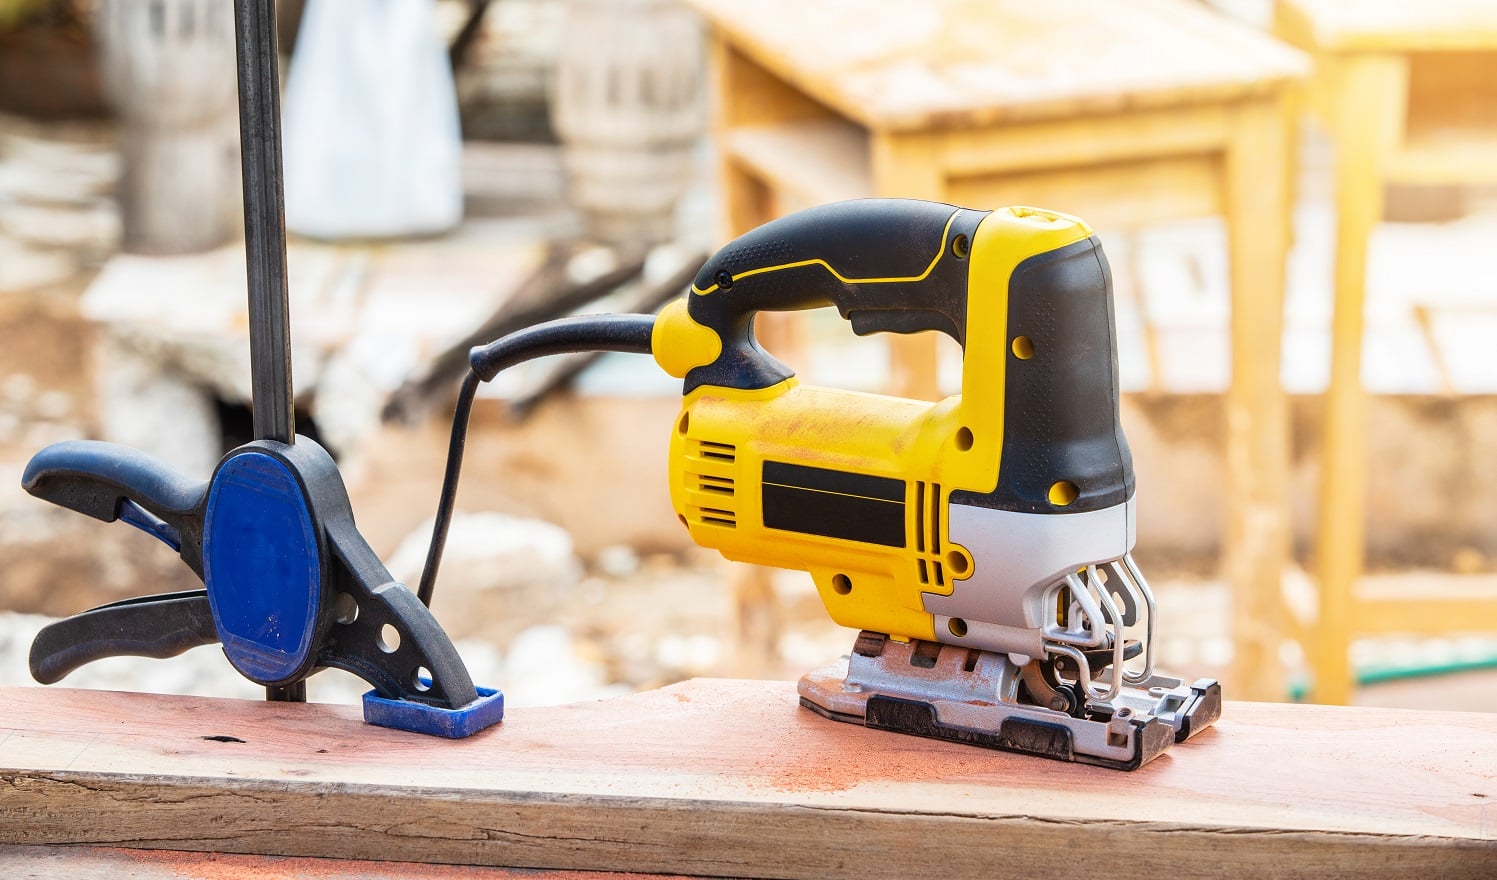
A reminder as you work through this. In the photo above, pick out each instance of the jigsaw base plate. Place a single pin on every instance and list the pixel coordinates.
(961, 695)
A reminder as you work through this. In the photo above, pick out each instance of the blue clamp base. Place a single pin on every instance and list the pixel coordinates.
(481, 714)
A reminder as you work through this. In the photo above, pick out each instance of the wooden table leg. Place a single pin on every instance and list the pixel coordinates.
(748, 94)
(1257, 539)
(1369, 93)
(906, 166)
(747, 203)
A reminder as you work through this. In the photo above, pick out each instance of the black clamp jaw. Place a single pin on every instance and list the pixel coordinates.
(291, 586)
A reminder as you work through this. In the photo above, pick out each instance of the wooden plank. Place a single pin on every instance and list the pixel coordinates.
(1372, 25)
(749, 94)
(1423, 614)
(814, 162)
(1119, 195)
(1440, 156)
(1087, 140)
(894, 65)
(1088, 176)
(1424, 604)
(1455, 90)
(732, 778)
(110, 863)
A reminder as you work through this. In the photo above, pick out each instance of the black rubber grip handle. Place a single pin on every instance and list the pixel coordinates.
(155, 626)
(887, 265)
(92, 477)
(97, 478)
(1061, 421)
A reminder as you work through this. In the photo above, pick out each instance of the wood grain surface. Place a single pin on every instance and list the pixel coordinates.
(732, 778)
(115, 863)
(896, 65)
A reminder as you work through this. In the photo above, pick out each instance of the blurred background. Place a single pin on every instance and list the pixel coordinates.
(1279, 187)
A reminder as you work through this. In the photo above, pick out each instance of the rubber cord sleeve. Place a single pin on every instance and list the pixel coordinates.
(625, 333)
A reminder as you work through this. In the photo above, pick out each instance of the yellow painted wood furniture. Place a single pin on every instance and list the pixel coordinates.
(1408, 92)
(1121, 113)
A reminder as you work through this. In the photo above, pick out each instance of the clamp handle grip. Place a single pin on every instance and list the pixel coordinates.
(153, 626)
(108, 481)
(887, 265)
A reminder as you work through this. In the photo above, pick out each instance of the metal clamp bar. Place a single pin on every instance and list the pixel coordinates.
(265, 237)
(264, 219)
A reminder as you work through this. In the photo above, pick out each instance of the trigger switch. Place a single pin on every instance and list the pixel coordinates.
(867, 321)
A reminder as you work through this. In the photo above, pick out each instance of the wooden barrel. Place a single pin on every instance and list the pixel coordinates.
(628, 106)
(168, 68)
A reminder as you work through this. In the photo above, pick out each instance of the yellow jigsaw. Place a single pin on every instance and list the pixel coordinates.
(982, 544)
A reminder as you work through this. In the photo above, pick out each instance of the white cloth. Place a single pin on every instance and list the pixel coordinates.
(372, 143)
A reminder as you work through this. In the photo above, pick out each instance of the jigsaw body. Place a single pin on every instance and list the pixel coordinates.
(981, 543)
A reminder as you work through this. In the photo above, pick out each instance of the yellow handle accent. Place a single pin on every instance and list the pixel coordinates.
(940, 250)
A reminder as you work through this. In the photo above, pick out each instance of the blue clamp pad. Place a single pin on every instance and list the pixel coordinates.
(263, 565)
(481, 714)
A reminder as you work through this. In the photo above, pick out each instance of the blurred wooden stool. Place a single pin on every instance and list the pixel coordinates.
(1408, 92)
(1120, 113)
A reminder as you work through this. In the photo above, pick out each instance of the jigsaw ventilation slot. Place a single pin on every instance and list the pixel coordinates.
(724, 452)
(709, 474)
(928, 533)
(720, 485)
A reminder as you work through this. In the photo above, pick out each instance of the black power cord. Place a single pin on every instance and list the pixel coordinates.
(626, 333)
